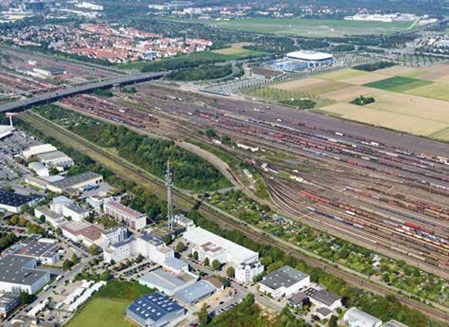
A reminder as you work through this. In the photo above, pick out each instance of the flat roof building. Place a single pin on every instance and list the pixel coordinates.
(44, 252)
(325, 299)
(196, 292)
(55, 159)
(13, 202)
(19, 274)
(37, 149)
(211, 246)
(82, 231)
(155, 310)
(394, 323)
(284, 282)
(49, 71)
(76, 182)
(52, 217)
(8, 302)
(6, 130)
(358, 318)
(128, 216)
(167, 283)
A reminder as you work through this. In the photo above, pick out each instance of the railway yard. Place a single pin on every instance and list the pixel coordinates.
(380, 189)
(18, 78)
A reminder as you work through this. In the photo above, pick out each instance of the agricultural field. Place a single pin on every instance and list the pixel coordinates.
(398, 84)
(412, 100)
(306, 27)
(107, 307)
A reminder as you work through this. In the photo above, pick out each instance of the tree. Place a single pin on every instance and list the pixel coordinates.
(180, 247)
(59, 231)
(42, 219)
(26, 298)
(67, 264)
(167, 239)
(206, 262)
(106, 275)
(195, 255)
(94, 249)
(210, 133)
(216, 265)
(74, 258)
(333, 321)
(230, 272)
(203, 316)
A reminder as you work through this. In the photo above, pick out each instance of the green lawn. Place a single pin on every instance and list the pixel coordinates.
(305, 27)
(107, 307)
(398, 84)
(102, 312)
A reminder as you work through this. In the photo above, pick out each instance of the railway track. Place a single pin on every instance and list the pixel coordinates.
(188, 202)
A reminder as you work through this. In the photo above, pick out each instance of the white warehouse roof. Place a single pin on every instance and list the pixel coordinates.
(201, 236)
(358, 318)
(309, 55)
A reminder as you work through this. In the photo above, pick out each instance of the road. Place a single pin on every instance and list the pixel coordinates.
(54, 96)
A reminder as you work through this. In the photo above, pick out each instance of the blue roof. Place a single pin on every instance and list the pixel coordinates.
(154, 306)
(195, 292)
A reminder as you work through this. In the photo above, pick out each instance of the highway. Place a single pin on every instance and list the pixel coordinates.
(54, 96)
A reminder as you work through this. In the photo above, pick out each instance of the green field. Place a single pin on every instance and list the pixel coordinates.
(107, 307)
(305, 27)
(398, 84)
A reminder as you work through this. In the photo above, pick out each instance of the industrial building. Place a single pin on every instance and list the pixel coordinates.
(14, 202)
(8, 303)
(49, 71)
(357, 318)
(208, 245)
(155, 310)
(312, 58)
(36, 182)
(19, 274)
(394, 323)
(73, 183)
(284, 282)
(129, 217)
(39, 169)
(6, 130)
(113, 235)
(55, 159)
(82, 231)
(196, 292)
(166, 282)
(43, 250)
(324, 299)
(37, 149)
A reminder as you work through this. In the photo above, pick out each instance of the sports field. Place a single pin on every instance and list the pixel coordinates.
(414, 100)
(306, 27)
(107, 307)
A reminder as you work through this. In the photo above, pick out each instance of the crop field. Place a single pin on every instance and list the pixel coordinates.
(312, 86)
(398, 84)
(417, 105)
(306, 27)
(234, 51)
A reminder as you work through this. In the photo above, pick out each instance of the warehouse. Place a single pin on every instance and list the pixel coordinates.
(8, 303)
(73, 183)
(54, 218)
(82, 231)
(312, 58)
(324, 299)
(284, 282)
(49, 71)
(55, 159)
(214, 247)
(155, 310)
(18, 274)
(14, 202)
(196, 292)
(37, 149)
(357, 318)
(6, 130)
(167, 283)
(44, 252)
(39, 169)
